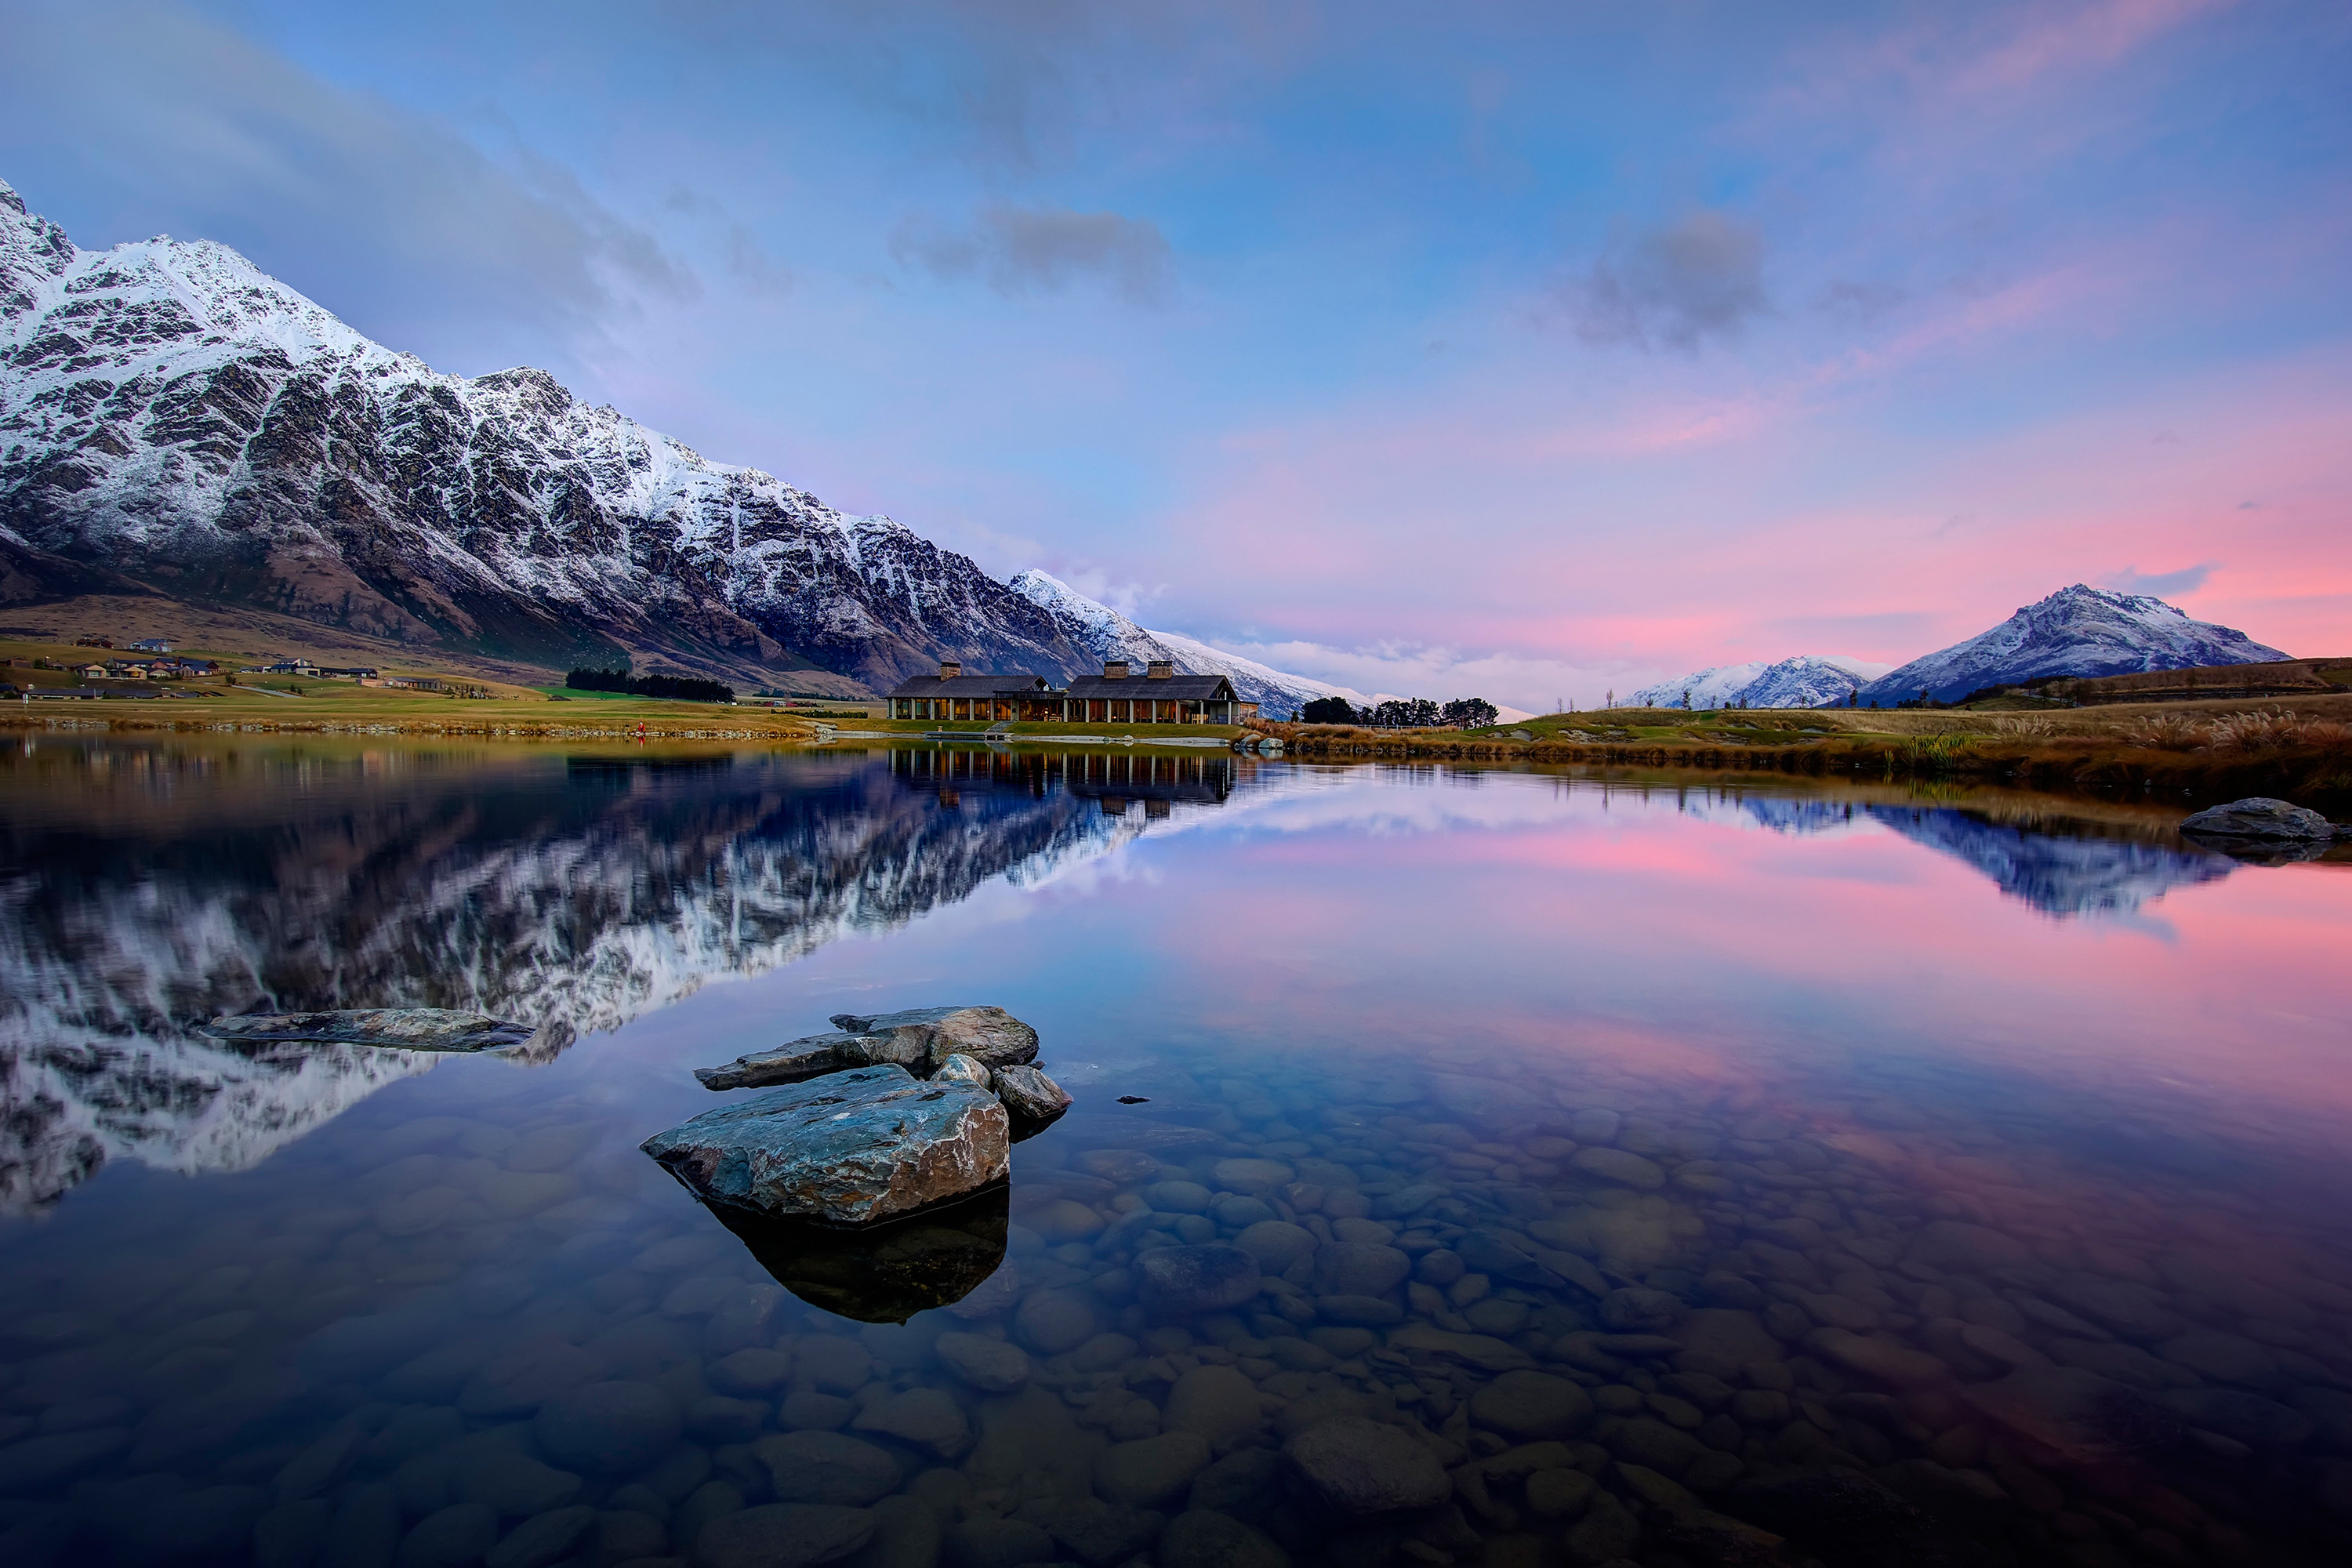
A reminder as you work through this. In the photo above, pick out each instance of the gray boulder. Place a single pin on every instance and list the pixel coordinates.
(1030, 1094)
(969, 1069)
(794, 1061)
(850, 1148)
(991, 1035)
(2258, 817)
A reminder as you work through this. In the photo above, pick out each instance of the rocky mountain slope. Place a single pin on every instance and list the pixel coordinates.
(175, 421)
(1807, 680)
(2076, 631)
(1103, 633)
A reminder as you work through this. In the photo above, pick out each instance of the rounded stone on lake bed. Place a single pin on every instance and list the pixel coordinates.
(1530, 1406)
(923, 1417)
(1179, 1280)
(1178, 1197)
(1251, 1176)
(1217, 1402)
(1276, 1244)
(1620, 1166)
(990, 1365)
(1201, 1538)
(544, 1539)
(827, 1467)
(758, 1370)
(1560, 1493)
(784, 1535)
(1362, 1467)
(608, 1428)
(453, 1536)
(1151, 1471)
(1063, 1219)
(1053, 1321)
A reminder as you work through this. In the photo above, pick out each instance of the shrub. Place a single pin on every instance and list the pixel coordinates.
(2167, 731)
(2259, 731)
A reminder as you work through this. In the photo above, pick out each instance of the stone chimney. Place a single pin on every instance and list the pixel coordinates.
(949, 670)
(1160, 670)
(1115, 670)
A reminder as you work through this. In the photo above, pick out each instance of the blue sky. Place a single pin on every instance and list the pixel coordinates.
(1527, 350)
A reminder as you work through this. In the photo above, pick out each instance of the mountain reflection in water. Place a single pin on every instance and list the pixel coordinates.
(147, 888)
(2083, 872)
(1623, 1178)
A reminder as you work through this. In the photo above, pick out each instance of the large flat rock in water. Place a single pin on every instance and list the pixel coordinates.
(850, 1148)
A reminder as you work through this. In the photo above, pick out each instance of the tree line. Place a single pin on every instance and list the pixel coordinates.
(675, 688)
(1401, 714)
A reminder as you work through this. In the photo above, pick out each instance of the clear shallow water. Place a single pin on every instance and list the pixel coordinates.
(1665, 1168)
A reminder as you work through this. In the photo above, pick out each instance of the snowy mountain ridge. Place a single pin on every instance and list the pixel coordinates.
(174, 420)
(1098, 629)
(2076, 631)
(1807, 680)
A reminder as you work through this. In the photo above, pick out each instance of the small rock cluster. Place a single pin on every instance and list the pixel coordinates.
(889, 1114)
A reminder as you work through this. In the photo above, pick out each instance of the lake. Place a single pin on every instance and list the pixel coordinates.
(1651, 1170)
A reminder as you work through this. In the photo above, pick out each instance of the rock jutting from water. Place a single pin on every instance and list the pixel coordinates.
(2258, 817)
(398, 1029)
(852, 1148)
(986, 1046)
(922, 1040)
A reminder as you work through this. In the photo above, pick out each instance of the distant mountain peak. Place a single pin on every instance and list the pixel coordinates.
(1805, 681)
(2077, 631)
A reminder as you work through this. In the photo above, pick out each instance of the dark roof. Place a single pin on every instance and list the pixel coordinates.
(1143, 688)
(969, 685)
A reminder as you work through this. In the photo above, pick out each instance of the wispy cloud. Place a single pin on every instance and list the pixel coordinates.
(1698, 277)
(1022, 250)
(2132, 579)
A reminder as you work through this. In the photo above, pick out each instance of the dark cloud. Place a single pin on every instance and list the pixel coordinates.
(1022, 250)
(121, 120)
(1699, 277)
(2132, 579)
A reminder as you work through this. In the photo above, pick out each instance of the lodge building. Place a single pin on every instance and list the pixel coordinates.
(1159, 696)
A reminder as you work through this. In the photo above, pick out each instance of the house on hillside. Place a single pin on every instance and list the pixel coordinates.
(151, 645)
(1117, 696)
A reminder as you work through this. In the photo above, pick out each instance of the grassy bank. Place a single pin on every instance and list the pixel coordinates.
(2201, 750)
(341, 710)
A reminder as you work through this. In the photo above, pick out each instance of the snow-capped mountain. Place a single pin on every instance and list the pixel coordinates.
(1099, 630)
(2076, 631)
(174, 420)
(1808, 680)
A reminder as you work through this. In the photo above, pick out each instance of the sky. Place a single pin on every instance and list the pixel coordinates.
(1529, 351)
